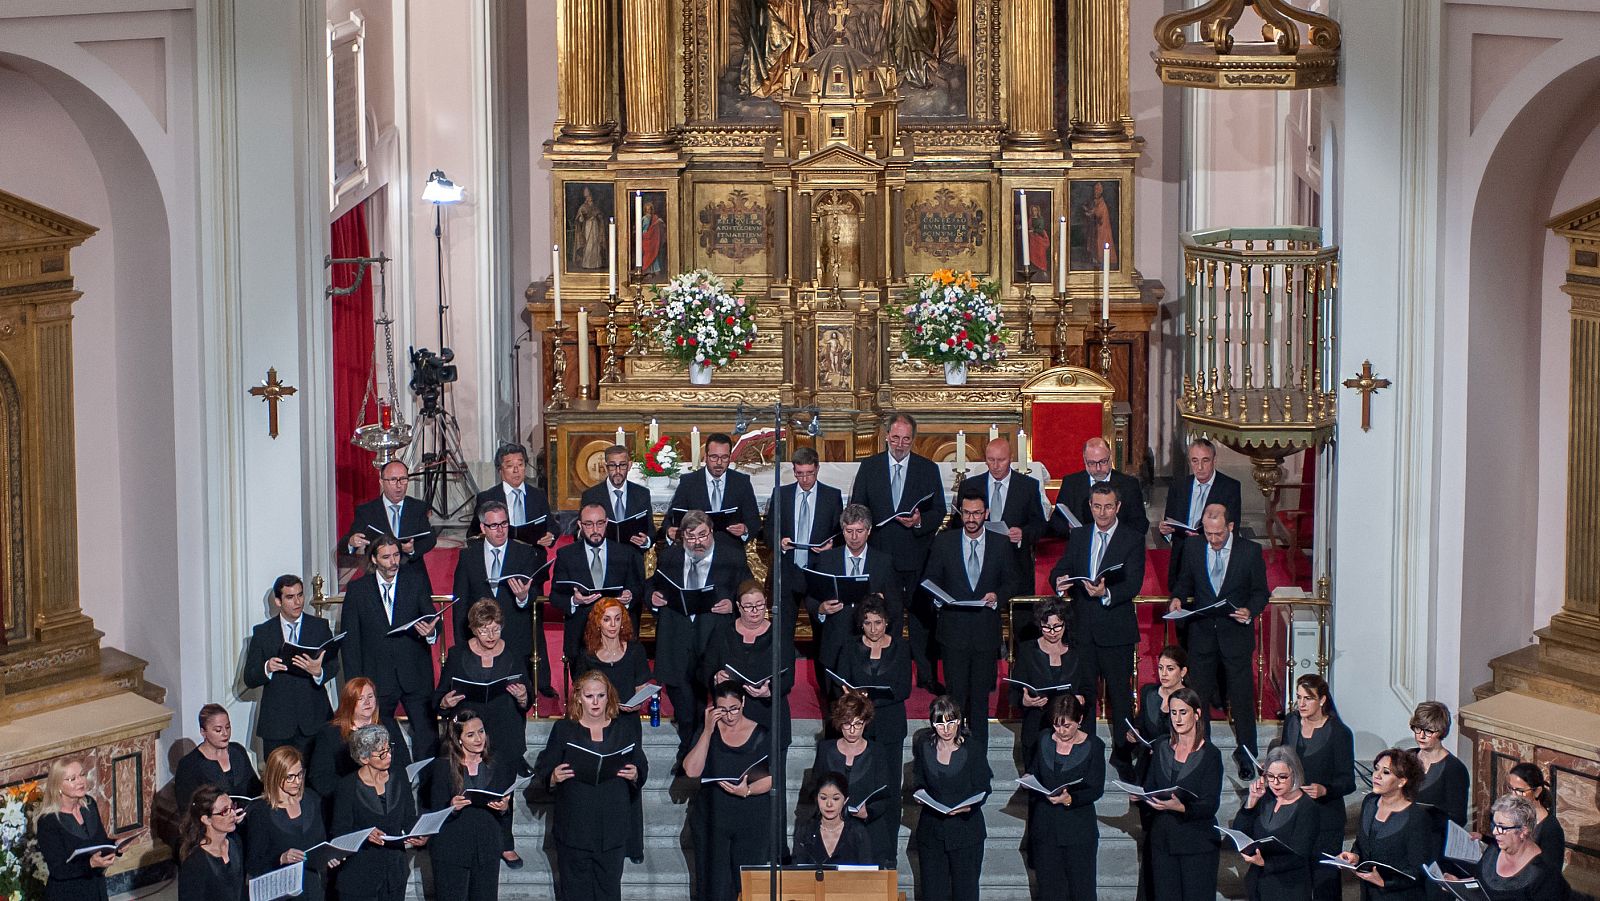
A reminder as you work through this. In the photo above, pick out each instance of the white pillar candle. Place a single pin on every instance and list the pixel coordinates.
(1061, 255)
(622, 437)
(1105, 284)
(994, 431)
(611, 256)
(1022, 216)
(583, 352)
(1022, 448)
(555, 275)
(694, 446)
(655, 433)
(961, 450)
(638, 230)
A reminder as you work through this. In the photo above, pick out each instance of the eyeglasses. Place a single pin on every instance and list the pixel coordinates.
(1525, 790)
(852, 724)
(1424, 731)
(1276, 777)
(1052, 627)
(725, 711)
(1502, 828)
(491, 628)
(496, 525)
(293, 777)
(946, 723)
(614, 466)
(223, 811)
(395, 480)
(752, 608)
(384, 751)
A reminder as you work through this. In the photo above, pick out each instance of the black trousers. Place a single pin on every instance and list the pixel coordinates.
(419, 711)
(921, 622)
(301, 743)
(470, 882)
(687, 714)
(1113, 665)
(588, 875)
(949, 874)
(1325, 882)
(728, 848)
(969, 675)
(1065, 872)
(1183, 877)
(1206, 658)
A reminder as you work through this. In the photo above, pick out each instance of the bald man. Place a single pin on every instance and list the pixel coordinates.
(1015, 502)
(395, 514)
(1075, 488)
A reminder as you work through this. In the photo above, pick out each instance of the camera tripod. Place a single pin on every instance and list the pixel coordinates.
(440, 464)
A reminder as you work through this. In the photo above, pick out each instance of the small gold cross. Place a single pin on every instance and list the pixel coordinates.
(839, 10)
(272, 391)
(1366, 384)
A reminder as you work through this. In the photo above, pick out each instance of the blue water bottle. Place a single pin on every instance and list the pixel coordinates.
(655, 710)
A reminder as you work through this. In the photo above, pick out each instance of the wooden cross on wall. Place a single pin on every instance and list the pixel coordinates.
(272, 391)
(1366, 384)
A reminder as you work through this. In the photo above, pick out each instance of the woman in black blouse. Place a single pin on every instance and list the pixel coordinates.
(1446, 784)
(1044, 662)
(1172, 671)
(68, 819)
(880, 658)
(949, 769)
(1182, 834)
(1326, 748)
(1526, 780)
(835, 837)
(464, 854)
(374, 797)
(598, 816)
(284, 821)
(731, 816)
(609, 649)
(1394, 831)
(865, 768)
(1512, 868)
(330, 749)
(216, 760)
(213, 861)
(745, 644)
(1278, 807)
(1063, 834)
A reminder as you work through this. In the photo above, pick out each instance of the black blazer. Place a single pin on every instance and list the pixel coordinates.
(694, 493)
(1327, 760)
(470, 836)
(1225, 490)
(1243, 584)
(196, 769)
(330, 759)
(1023, 510)
(471, 584)
(854, 847)
(397, 664)
(1193, 831)
(1446, 786)
(829, 503)
(535, 505)
(680, 642)
(1286, 869)
(373, 871)
(271, 833)
(636, 498)
(967, 775)
(58, 836)
(1408, 848)
(972, 627)
(879, 570)
(413, 521)
(1054, 826)
(203, 877)
(1074, 493)
(908, 548)
(292, 703)
(1096, 622)
(596, 817)
(624, 566)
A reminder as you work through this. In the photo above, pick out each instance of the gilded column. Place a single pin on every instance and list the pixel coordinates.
(1030, 75)
(1581, 608)
(644, 66)
(586, 82)
(1098, 70)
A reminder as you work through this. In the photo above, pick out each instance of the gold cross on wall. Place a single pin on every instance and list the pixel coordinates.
(1366, 384)
(839, 10)
(272, 391)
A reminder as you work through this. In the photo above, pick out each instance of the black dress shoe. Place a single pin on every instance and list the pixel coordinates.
(514, 863)
(547, 691)
(1247, 770)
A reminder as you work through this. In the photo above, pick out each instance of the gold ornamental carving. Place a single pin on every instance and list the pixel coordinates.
(1285, 59)
(1030, 73)
(1098, 106)
(644, 46)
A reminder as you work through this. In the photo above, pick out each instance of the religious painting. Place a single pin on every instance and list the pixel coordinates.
(835, 358)
(757, 41)
(587, 211)
(734, 228)
(647, 234)
(946, 226)
(1032, 213)
(1093, 218)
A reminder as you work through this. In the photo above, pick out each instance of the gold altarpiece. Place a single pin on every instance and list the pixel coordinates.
(862, 142)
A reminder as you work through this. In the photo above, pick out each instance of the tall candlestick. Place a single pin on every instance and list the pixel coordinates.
(638, 230)
(1022, 448)
(1105, 283)
(994, 431)
(611, 256)
(961, 450)
(694, 446)
(583, 352)
(622, 437)
(655, 433)
(1022, 217)
(555, 275)
(1061, 255)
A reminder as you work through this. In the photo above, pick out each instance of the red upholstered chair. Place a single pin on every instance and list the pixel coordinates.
(1062, 408)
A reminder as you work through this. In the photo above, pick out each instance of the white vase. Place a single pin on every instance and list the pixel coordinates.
(955, 373)
(700, 373)
(658, 483)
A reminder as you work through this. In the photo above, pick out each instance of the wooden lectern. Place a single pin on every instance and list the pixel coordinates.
(816, 885)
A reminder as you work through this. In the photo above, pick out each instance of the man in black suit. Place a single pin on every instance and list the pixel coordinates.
(1076, 488)
(810, 515)
(893, 482)
(592, 562)
(1105, 628)
(400, 666)
(394, 514)
(294, 697)
(493, 566)
(622, 499)
(972, 564)
(1190, 495)
(836, 620)
(715, 487)
(527, 507)
(1231, 570)
(1015, 502)
(697, 560)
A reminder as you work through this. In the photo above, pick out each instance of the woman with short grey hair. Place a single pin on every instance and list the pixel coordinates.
(1284, 821)
(367, 741)
(374, 798)
(1511, 867)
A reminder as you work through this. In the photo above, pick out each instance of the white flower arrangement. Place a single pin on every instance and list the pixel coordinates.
(697, 320)
(951, 317)
(22, 868)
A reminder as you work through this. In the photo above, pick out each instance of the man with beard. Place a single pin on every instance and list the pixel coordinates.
(591, 563)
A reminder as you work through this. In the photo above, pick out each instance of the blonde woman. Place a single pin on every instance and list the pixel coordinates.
(285, 821)
(68, 819)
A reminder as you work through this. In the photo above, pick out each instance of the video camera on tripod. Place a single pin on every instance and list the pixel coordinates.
(430, 372)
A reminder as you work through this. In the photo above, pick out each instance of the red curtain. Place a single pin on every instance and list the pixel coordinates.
(352, 364)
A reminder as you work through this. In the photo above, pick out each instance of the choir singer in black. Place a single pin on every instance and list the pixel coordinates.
(740, 652)
(1394, 831)
(69, 819)
(217, 760)
(1182, 835)
(832, 604)
(1077, 492)
(809, 527)
(1063, 833)
(731, 812)
(376, 797)
(1045, 669)
(1326, 749)
(466, 776)
(396, 515)
(495, 566)
(587, 570)
(527, 506)
(628, 512)
(284, 822)
(1015, 503)
(294, 694)
(1189, 496)
(213, 859)
(1277, 808)
(717, 489)
(379, 645)
(954, 774)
